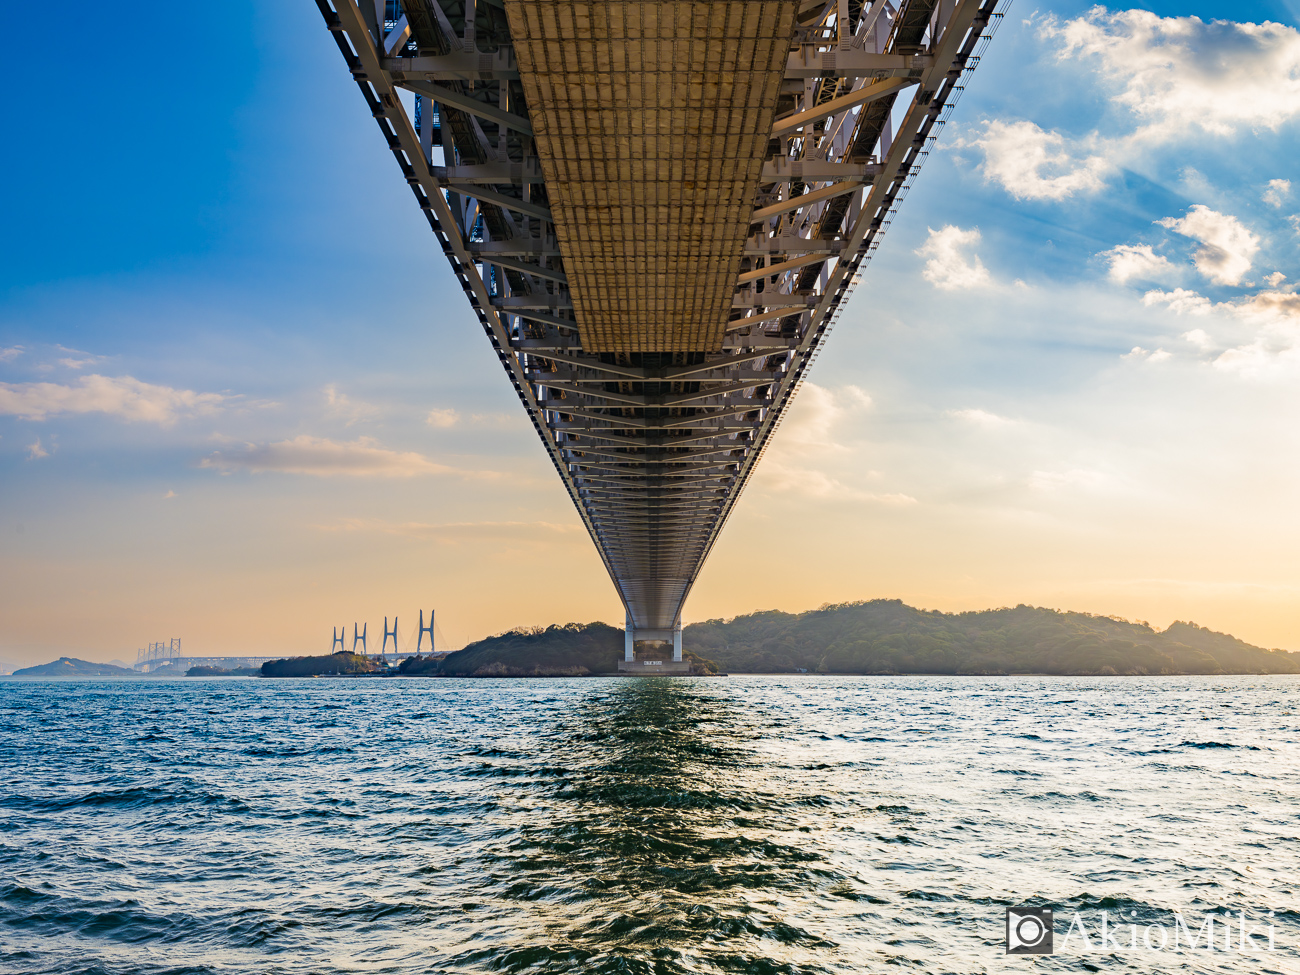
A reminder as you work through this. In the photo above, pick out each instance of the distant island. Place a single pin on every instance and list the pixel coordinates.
(72, 667)
(882, 636)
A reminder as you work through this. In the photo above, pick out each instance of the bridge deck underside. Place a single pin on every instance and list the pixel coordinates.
(657, 208)
(652, 121)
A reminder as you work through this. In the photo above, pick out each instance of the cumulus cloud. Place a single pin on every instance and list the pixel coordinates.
(1031, 163)
(121, 396)
(1275, 279)
(1129, 261)
(1277, 192)
(1180, 300)
(13, 352)
(321, 457)
(1181, 73)
(950, 263)
(1228, 246)
(1275, 348)
(35, 451)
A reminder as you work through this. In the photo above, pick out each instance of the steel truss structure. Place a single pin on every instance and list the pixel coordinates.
(533, 133)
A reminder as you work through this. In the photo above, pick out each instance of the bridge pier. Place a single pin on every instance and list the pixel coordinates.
(633, 635)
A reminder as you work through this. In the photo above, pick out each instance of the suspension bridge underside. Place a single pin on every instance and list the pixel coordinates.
(656, 209)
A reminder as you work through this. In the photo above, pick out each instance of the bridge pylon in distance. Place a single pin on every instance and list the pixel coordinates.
(361, 638)
(657, 294)
(339, 633)
(419, 640)
(390, 633)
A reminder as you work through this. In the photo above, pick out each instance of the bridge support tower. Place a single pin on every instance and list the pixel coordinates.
(632, 635)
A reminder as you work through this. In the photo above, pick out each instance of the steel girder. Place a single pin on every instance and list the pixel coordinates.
(655, 448)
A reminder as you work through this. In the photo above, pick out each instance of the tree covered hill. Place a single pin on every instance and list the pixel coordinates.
(72, 667)
(885, 636)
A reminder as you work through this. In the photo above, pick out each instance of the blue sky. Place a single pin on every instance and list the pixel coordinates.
(244, 401)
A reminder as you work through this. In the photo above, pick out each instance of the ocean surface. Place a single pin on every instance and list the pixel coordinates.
(743, 824)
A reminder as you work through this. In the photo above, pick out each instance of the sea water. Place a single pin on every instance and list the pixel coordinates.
(744, 824)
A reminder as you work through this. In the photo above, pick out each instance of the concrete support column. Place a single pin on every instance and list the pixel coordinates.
(677, 642)
(628, 634)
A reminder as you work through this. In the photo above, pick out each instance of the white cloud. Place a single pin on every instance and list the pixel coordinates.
(35, 451)
(1199, 337)
(980, 418)
(809, 483)
(1180, 300)
(1278, 190)
(1139, 354)
(13, 352)
(443, 419)
(1181, 73)
(1033, 164)
(121, 396)
(817, 409)
(1228, 246)
(1275, 350)
(341, 405)
(948, 266)
(326, 458)
(1128, 261)
(466, 530)
(169, 495)
(1294, 221)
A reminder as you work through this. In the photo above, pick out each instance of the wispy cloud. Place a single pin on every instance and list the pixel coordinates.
(443, 419)
(321, 457)
(339, 404)
(951, 263)
(456, 529)
(121, 396)
(35, 451)
(1277, 192)
(11, 353)
(981, 418)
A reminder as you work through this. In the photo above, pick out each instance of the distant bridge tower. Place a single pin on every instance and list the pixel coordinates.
(419, 640)
(339, 634)
(362, 637)
(387, 634)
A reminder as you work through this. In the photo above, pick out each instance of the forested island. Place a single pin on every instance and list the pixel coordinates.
(882, 636)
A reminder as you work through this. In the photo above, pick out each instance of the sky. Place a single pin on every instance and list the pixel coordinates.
(243, 401)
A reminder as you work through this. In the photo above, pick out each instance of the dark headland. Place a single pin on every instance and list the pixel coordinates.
(882, 636)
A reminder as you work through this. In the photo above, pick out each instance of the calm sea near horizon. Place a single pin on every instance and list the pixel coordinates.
(743, 824)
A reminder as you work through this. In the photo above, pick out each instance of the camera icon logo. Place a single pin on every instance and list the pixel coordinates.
(1029, 930)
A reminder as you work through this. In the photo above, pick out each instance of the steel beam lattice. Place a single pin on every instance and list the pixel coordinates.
(657, 209)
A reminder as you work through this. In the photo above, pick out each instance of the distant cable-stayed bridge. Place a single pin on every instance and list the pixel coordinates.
(657, 209)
